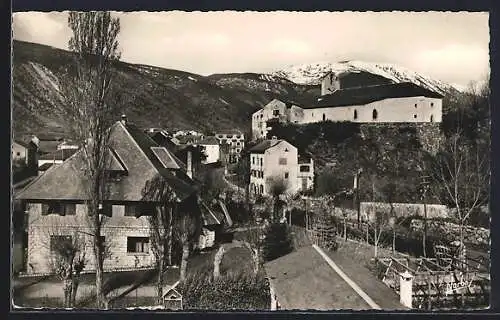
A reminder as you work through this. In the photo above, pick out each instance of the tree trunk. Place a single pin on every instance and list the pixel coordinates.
(217, 261)
(74, 288)
(98, 256)
(393, 240)
(424, 237)
(170, 235)
(159, 280)
(67, 291)
(184, 261)
(345, 228)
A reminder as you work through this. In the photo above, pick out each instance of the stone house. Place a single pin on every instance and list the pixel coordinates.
(56, 209)
(278, 159)
(211, 148)
(25, 152)
(382, 103)
(234, 141)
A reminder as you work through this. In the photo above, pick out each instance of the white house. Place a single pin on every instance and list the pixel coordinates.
(275, 159)
(234, 140)
(384, 103)
(211, 148)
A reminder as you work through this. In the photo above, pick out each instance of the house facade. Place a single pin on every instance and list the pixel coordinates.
(211, 148)
(276, 159)
(27, 153)
(233, 141)
(382, 103)
(57, 211)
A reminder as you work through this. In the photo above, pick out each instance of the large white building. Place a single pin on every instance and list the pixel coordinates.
(394, 102)
(211, 148)
(275, 159)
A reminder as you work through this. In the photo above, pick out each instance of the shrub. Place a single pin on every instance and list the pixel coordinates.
(277, 241)
(242, 291)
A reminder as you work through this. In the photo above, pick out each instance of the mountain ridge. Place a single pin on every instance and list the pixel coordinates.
(174, 99)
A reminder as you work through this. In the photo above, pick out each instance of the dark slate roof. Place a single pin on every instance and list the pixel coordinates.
(59, 155)
(131, 149)
(45, 166)
(209, 141)
(264, 145)
(48, 146)
(368, 94)
(210, 217)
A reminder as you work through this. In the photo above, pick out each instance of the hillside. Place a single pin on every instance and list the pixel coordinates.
(153, 97)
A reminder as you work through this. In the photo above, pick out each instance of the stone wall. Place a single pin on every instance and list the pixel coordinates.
(451, 231)
(405, 209)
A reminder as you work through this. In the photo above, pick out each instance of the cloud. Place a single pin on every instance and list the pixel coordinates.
(46, 28)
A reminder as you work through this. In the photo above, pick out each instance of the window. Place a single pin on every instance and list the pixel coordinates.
(237, 143)
(137, 244)
(261, 189)
(286, 149)
(374, 114)
(324, 117)
(58, 243)
(106, 209)
(286, 175)
(220, 136)
(57, 207)
(355, 114)
(253, 160)
(261, 162)
(261, 116)
(415, 105)
(238, 150)
(282, 161)
(304, 168)
(276, 112)
(432, 118)
(415, 116)
(229, 136)
(18, 153)
(432, 104)
(131, 210)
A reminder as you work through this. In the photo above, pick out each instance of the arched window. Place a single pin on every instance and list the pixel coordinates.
(432, 118)
(374, 114)
(355, 114)
(324, 117)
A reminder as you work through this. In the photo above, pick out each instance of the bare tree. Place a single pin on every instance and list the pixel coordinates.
(89, 109)
(68, 261)
(187, 229)
(277, 187)
(158, 192)
(462, 172)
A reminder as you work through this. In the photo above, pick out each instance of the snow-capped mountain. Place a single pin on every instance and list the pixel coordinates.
(311, 74)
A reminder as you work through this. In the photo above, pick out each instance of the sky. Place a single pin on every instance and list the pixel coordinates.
(449, 46)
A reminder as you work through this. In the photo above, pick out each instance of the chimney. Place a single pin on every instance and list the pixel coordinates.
(189, 170)
(124, 119)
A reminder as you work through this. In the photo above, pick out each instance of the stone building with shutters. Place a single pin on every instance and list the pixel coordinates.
(382, 102)
(277, 159)
(56, 202)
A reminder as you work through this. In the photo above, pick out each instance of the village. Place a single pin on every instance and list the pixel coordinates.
(294, 212)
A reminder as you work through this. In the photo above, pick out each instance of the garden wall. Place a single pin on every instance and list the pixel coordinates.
(405, 209)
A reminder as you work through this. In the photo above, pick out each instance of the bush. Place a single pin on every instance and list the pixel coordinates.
(243, 291)
(277, 241)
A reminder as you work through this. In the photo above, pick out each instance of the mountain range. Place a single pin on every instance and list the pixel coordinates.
(173, 99)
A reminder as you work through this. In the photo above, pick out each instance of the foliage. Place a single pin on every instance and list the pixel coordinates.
(243, 291)
(277, 241)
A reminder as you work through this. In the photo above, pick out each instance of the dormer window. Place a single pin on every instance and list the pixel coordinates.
(165, 157)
